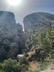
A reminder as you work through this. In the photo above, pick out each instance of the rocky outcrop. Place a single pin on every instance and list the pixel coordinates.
(11, 34)
(37, 22)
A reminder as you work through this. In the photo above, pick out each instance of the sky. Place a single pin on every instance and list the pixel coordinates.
(27, 7)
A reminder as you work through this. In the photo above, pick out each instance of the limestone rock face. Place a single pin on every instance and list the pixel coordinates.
(37, 22)
(11, 34)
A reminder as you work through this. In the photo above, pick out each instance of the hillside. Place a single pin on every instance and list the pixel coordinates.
(37, 22)
(31, 50)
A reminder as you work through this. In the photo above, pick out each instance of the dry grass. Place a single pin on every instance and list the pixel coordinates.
(33, 65)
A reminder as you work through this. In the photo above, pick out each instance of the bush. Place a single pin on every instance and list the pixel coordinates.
(43, 66)
(10, 65)
(1, 70)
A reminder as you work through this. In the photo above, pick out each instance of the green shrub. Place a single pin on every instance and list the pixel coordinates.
(1, 70)
(43, 66)
(10, 65)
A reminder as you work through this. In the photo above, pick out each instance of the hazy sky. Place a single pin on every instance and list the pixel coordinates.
(27, 7)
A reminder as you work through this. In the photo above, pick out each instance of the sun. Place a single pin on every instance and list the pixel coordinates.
(14, 2)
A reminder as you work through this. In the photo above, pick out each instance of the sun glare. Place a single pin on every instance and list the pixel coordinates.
(14, 2)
